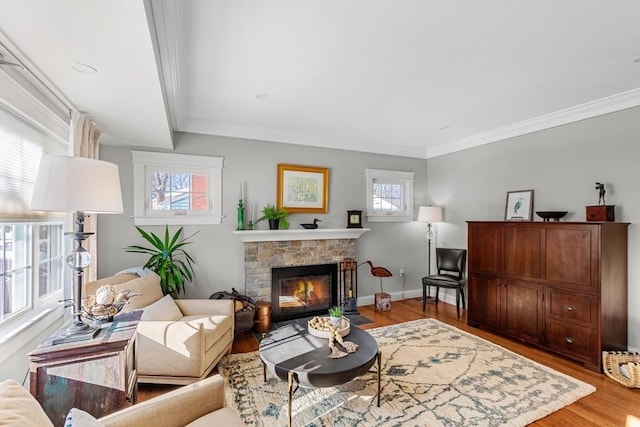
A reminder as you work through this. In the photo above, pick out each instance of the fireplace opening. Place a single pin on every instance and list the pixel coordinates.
(304, 290)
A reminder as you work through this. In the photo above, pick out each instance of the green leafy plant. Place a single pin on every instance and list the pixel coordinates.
(168, 259)
(271, 212)
(335, 311)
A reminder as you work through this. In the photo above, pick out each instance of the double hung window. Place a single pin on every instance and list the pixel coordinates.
(31, 243)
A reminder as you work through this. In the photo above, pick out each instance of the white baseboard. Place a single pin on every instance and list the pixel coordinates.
(408, 294)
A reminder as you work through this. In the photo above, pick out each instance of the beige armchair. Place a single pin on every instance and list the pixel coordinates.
(179, 341)
(187, 349)
(196, 405)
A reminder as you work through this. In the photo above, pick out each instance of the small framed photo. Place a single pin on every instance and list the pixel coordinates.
(303, 189)
(519, 205)
(354, 219)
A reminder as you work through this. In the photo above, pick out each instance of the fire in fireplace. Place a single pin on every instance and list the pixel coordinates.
(304, 290)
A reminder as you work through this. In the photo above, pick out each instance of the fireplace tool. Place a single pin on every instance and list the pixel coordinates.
(349, 284)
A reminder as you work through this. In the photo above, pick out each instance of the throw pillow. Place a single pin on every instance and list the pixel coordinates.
(165, 309)
(149, 288)
(140, 271)
(79, 418)
(19, 408)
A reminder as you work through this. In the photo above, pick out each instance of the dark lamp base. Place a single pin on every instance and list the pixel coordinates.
(76, 332)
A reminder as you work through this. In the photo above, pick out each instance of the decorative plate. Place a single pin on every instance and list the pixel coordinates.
(343, 331)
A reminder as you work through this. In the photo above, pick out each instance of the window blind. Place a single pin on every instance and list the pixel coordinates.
(22, 145)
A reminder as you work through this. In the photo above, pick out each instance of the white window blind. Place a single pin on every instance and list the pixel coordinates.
(22, 145)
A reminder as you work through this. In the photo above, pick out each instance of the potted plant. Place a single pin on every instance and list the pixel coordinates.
(168, 259)
(335, 315)
(277, 217)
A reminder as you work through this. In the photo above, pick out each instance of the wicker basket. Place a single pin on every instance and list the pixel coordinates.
(623, 367)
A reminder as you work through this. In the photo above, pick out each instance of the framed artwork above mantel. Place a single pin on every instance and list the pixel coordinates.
(303, 189)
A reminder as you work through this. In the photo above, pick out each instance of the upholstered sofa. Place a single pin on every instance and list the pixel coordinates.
(179, 341)
(196, 405)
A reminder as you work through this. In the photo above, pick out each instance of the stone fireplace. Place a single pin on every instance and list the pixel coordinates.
(265, 250)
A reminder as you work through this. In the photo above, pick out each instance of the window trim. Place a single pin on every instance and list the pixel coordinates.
(407, 180)
(213, 166)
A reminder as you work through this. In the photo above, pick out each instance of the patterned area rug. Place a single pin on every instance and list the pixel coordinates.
(433, 374)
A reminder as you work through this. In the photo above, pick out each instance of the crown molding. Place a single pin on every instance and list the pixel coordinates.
(610, 104)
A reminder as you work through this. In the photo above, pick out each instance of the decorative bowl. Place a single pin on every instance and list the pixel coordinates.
(344, 330)
(103, 312)
(548, 215)
(106, 303)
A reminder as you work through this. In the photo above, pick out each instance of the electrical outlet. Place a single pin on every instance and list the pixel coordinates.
(402, 272)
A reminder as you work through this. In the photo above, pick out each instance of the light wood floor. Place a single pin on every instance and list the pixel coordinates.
(611, 405)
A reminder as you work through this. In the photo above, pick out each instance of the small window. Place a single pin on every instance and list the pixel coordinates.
(389, 196)
(177, 189)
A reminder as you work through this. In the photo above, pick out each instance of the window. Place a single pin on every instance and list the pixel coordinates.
(31, 243)
(389, 196)
(177, 189)
(27, 281)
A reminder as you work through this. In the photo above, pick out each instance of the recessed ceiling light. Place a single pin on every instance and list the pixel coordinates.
(262, 96)
(83, 68)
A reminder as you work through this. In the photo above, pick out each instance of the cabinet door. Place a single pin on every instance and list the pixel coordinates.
(484, 301)
(523, 310)
(571, 256)
(522, 248)
(485, 243)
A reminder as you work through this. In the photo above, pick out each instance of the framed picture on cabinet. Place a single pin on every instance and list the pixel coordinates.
(519, 206)
(303, 189)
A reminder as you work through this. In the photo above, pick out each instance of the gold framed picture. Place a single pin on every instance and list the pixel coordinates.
(303, 189)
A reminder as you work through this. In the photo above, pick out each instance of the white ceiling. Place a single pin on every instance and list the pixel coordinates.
(411, 78)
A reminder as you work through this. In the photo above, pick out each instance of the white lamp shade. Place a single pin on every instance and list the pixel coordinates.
(70, 184)
(430, 214)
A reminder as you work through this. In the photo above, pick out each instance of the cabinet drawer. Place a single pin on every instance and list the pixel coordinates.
(572, 307)
(574, 341)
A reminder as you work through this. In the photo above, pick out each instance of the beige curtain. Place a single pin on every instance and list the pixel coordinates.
(84, 137)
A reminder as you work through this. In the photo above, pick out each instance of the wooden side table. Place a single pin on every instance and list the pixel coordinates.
(97, 376)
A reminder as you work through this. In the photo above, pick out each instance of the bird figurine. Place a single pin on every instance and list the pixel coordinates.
(311, 226)
(379, 272)
(517, 206)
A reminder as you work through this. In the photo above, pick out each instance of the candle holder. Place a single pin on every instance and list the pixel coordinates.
(240, 215)
(250, 225)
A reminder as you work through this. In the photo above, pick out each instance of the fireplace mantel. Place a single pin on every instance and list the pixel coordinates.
(317, 234)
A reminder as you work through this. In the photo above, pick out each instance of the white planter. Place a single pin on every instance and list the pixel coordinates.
(336, 321)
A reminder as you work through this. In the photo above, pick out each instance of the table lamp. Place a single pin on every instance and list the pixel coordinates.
(80, 185)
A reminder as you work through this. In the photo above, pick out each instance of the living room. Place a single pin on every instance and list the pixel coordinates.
(560, 158)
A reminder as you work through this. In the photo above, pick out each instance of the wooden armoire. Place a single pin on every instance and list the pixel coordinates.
(561, 286)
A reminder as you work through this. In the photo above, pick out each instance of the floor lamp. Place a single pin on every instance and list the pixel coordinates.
(80, 185)
(429, 214)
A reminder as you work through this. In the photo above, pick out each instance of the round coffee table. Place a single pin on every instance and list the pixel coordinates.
(292, 354)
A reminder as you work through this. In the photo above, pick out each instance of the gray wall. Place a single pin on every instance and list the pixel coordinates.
(219, 253)
(562, 165)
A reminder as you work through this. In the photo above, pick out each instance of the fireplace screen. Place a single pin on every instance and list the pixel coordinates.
(302, 291)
